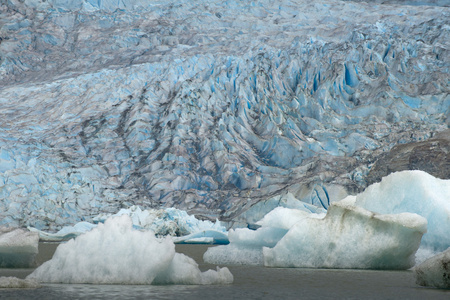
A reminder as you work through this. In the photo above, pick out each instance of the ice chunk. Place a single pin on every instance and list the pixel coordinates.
(246, 245)
(17, 283)
(66, 233)
(115, 253)
(18, 248)
(203, 237)
(435, 271)
(415, 192)
(349, 237)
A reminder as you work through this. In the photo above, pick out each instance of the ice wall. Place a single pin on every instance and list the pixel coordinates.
(207, 106)
(114, 253)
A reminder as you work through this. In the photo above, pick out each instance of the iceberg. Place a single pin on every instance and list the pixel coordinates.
(414, 192)
(18, 248)
(346, 237)
(115, 253)
(435, 271)
(350, 237)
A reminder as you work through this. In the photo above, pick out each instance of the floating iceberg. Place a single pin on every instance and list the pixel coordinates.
(163, 222)
(435, 271)
(115, 253)
(203, 237)
(349, 237)
(414, 192)
(346, 237)
(18, 248)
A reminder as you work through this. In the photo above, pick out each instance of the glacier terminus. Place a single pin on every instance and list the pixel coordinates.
(209, 106)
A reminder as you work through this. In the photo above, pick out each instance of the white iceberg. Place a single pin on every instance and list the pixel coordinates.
(349, 237)
(346, 237)
(18, 248)
(435, 271)
(414, 192)
(116, 253)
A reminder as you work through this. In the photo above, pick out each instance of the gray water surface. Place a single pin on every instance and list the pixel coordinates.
(250, 282)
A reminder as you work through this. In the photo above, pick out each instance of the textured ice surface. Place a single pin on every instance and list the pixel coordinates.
(163, 222)
(115, 253)
(166, 221)
(17, 283)
(415, 192)
(349, 237)
(18, 248)
(435, 271)
(209, 106)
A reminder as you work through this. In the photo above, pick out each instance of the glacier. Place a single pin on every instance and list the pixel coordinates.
(115, 253)
(208, 106)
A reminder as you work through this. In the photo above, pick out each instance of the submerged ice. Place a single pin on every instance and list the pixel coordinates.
(115, 253)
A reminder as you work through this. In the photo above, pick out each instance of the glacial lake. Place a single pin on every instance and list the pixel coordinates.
(250, 282)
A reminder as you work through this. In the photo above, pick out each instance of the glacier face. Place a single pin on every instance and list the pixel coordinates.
(208, 106)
